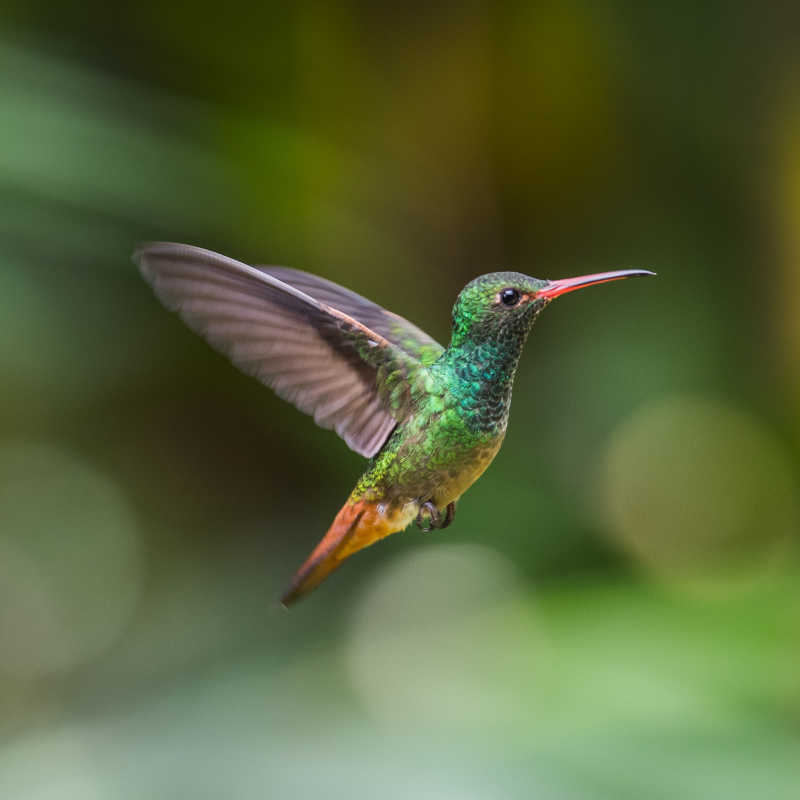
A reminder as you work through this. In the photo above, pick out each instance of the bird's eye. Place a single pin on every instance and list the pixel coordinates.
(509, 297)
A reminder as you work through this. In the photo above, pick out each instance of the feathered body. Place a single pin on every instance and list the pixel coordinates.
(430, 418)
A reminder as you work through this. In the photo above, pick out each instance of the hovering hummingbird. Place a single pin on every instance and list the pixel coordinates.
(430, 418)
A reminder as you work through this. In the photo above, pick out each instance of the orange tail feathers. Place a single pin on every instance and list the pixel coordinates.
(356, 526)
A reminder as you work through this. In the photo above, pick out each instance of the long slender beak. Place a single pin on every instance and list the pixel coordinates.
(564, 285)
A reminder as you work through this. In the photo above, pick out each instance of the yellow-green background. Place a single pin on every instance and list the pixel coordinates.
(615, 613)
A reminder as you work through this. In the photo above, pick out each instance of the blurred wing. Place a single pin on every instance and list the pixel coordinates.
(317, 357)
(396, 329)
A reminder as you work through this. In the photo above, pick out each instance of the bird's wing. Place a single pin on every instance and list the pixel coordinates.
(313, 354)
(398, 330)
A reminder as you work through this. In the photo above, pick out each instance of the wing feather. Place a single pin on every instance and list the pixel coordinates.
(396, 329)
(306, 345)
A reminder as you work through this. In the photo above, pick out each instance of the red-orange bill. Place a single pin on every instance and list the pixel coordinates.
(564, 285)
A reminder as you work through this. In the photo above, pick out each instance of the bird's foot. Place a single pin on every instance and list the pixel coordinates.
(429, 517)
(449, 516)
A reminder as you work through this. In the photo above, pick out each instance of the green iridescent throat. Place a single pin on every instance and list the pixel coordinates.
(487, 341)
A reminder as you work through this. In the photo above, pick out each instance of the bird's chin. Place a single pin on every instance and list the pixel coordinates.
(538, 305)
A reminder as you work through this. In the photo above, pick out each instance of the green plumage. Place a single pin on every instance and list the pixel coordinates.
(458, 415)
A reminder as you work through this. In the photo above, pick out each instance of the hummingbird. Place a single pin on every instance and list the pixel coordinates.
(430, 418)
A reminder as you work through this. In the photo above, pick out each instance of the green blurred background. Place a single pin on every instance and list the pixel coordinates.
(615, 614)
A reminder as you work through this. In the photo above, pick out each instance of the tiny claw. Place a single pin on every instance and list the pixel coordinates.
(428, 517)
(449, 516)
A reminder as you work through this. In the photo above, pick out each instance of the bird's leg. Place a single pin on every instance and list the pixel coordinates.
(429, 517)
(449, 516)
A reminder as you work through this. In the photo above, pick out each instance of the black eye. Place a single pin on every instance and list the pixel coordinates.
(509, 297)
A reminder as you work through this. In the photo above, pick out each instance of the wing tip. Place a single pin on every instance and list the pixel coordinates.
(139, 257)
(144, 250)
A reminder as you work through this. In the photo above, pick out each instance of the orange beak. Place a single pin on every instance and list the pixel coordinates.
(564, 285)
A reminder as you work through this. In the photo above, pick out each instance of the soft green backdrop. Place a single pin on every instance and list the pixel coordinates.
(615, 613)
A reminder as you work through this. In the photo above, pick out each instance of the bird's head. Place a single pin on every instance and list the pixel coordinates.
(503, 305)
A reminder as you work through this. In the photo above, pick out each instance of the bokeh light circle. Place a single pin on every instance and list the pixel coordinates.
(70, 560)
(694, 487)
(445, 638)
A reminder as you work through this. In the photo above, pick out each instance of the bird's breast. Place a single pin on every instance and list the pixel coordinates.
(463, 472)
(440, 457)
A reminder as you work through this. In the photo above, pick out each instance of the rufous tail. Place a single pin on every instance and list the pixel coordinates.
(356, 526)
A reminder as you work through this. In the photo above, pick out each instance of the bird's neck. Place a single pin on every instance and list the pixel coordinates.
(480, 377)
